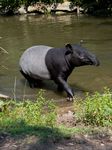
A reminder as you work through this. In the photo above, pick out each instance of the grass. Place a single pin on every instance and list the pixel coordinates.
(39, 117)
(41, 112)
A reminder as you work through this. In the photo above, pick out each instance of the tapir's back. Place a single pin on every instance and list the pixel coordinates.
(32, 62)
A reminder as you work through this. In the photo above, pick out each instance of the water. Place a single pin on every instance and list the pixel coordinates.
(17, 33)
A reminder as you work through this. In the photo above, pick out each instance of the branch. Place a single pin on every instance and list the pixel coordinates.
(1, 48)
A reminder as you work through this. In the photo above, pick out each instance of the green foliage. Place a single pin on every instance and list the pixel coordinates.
(28, 2)
(98, 7)
(39, 117)
(76, 2)
(95, 7)
(96, 109)
(39, 113)
(8, 6)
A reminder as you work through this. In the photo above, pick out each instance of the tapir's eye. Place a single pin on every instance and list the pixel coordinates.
(84, 59)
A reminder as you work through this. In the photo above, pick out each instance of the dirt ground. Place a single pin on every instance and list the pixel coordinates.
(99, 141)
(77, 142)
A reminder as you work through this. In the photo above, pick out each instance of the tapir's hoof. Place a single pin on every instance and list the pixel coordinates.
(70, 99)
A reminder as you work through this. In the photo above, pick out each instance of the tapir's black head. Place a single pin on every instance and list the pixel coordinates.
(80, 56)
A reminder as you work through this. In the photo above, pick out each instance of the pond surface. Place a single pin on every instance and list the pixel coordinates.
(17, 33)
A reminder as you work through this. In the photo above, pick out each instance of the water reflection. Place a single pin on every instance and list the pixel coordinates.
(48, 18)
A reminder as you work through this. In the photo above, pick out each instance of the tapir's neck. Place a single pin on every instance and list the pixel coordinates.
(68, 61)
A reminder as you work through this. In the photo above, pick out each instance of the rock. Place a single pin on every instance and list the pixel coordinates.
(66, 6)
(38, 7)
(32, 8)
(58, 8)
(66, 118)
(60, 12)
(22, 10)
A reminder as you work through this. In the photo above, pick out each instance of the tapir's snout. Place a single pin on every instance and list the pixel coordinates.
(95, 61)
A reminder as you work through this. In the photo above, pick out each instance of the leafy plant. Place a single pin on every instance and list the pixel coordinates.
(96, 109)
(14, 114)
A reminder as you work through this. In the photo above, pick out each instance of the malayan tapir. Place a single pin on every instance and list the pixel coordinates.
(43, 62)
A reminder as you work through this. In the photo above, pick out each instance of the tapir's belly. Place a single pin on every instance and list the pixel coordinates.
(32, 62)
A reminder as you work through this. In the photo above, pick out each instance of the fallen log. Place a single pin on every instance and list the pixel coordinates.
(2, 96)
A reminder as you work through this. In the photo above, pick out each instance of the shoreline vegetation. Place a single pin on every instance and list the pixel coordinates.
(19, 7)
(93, 113)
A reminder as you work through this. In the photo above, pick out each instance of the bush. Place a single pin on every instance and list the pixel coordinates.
(96, 109)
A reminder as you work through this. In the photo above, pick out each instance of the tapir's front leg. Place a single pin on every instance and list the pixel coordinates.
(63, 83)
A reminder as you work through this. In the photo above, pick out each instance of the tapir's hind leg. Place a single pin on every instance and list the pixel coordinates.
(29, 79)
(32, 82)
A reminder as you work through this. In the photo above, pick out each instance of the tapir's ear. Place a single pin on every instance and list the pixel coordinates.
(69, 49)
